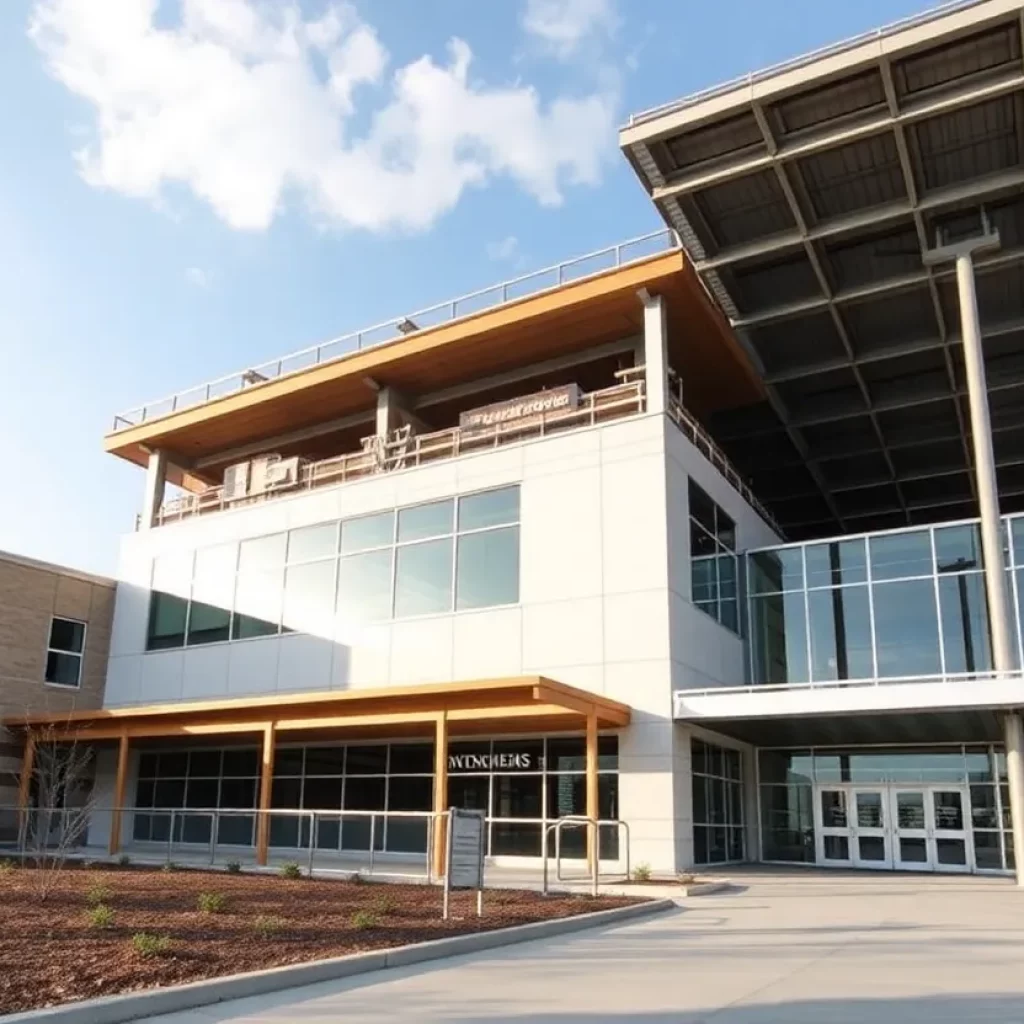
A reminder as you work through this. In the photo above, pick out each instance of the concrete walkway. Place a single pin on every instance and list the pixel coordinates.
(787, 947)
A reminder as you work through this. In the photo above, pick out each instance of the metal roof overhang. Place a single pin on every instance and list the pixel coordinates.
(805, 196)
(574, 318)
(521, 704)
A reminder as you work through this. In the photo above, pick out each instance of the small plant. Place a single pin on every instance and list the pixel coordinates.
(6, 868)
(147, 945)
(291, 870)
(233, 867)
(267, 925)
(642, 873)
(363, 919)
(212, 902)
(97, 894)
(169, 867)
(384, 904)
(356, 878)
(124, 860)
(100, 916)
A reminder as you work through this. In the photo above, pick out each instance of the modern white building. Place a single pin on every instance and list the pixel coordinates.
(698, 536)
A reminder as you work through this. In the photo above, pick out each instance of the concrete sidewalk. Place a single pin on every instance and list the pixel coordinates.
(792, 947)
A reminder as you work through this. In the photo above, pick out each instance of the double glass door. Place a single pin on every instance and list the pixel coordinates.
(910, 828)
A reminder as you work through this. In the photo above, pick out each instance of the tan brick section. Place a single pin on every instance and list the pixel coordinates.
(31, 594)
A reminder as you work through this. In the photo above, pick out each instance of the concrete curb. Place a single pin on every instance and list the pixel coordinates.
(134, 1005)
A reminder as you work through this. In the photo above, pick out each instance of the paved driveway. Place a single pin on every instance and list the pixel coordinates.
(788, 947)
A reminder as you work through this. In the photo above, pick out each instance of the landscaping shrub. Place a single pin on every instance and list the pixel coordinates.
(169, 866)
(100, 916)
(266, 925)
(212, 902)
(642, 873)
(384, 904)
(291, 870)
(363, 919)
(6, 867)
(234, 867)
(124, 860)
(97, 894)
(146, 944)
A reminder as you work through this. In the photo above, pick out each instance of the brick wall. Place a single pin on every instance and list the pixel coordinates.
(31, 594)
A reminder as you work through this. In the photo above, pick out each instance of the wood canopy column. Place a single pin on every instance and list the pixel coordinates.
(266, 786)
(593, 804)
(120, 785)
(440, 793)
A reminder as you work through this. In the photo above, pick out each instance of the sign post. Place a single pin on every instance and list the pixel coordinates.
(464, 868)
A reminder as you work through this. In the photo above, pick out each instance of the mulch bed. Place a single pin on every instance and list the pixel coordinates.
(50, 953)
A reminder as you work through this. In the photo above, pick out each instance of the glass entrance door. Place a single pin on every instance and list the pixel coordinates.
(929, 829)
(834, 829)
(870, 847)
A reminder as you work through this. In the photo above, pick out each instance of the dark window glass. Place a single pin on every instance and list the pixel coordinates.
(212, 594)
(288, 760)
(726, 531)
(699, 792)
(367, 760)
(840, 625)
(169, 793)
(567, 754)
(313, 542)
(567, 794)
(208, 624)
(984, 811)
(775, 571)
(376, 531)
(473, 756)
(322, 794)
(194, 828)
(173, 763)
(491, 508)
(965, 623)
(406, 835)
(701, 839)
(67, 635)
(422, 521)
(364, 794)
(241, 762)
(144, 793)
(608, 753)
(778, 633)
(364, 587)
(787, 823)
(286, 793)
(423, 578)
(515, 839)
(325, 760)
(236, 829)
(517, 796)
(237, 793)
(785, 766)
(148, 766)
(469, 792)
(987, 852)
(410, 793)
(167, 614)
(487, 571)
(412, 759)
(201, 793)
(702, 508)
(258, 600)
(896, 555)
(63, 669)
(836, 563)
(204, 763)
(906, 629)
(518, 755)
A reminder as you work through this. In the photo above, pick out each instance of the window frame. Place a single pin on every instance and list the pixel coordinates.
(714, 605)
(80, 655)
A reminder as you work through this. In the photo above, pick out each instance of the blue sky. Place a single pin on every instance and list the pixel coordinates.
(188, 191)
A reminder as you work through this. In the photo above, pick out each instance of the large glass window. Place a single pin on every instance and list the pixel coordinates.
(713, 571)
(909, 603)
(454, 554)
(717, 787)
(64, 652)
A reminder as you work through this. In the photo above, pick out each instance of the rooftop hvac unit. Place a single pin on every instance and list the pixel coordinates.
(282, 474)
(236, 481)
(259, 480)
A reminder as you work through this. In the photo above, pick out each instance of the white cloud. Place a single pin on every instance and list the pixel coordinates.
(506, 249)
(565, 25)
(250, 104)
(198, 277)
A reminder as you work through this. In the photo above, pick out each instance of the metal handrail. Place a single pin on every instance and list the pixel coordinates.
(571, 821)
(615, 402)
(794, 63)
(514, 290)
(702, 441)
(832, 684)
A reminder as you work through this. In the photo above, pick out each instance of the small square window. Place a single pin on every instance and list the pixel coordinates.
(64, 653)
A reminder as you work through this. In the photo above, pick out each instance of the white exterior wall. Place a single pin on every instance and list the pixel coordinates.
(604, 602)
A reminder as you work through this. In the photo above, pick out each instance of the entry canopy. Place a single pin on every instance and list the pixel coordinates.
(804, 195)
(521, 704)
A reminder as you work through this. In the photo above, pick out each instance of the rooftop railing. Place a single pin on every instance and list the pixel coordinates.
(795, 63)
(577, 269)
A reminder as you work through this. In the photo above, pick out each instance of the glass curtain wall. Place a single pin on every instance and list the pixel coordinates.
(787, 780)
(717, 781)
(713, 561)
(886, 606)
(520, 783)
(429, 559)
